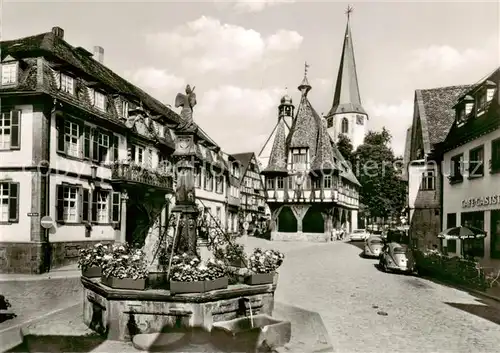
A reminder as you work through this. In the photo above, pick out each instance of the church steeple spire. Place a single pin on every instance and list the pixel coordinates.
(346, 97)
(305, 87)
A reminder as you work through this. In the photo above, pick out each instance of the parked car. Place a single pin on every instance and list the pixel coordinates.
(373, 246)
(358, 235)
(395, 257)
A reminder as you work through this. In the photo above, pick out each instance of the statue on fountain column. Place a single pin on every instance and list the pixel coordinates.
(187, 102)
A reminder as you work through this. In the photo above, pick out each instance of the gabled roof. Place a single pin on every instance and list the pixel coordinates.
(56, 48)
(324, 157)
(278, 157)
(476, 125)
(407, 152)
(346, 98)
(435, 109)
(304, 131)
(244, 159)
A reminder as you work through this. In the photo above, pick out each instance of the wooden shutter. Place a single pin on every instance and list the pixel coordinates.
(115, 207)
(61, 143)
(60, 203)
(115, 143)
(93, 212)
(87, 137)
(79, 204)
(95, 146)
(86, 205)
(14, 202)
(15, 132)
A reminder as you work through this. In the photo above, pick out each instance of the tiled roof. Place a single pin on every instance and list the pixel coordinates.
(244, 159)
(277, 160)
(56, 48)
(324, 157)
(346, 98)
(436, 111)
(304, 131)
(476, 126)
(407, 152)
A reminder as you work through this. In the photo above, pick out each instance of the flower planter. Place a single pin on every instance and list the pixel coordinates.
(124, 283)
(198, 286)
(260, 278)
(237, 263)
(218, 283)
(187, 287)
(92, 272)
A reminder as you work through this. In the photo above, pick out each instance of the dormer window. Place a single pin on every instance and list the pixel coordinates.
(99, 100)
(481, 101)
(67, 84)
(468, 108)
(300, 159)
(464, 108)
(9, 73)
(490, 90)
(461, 114)
(124, 109)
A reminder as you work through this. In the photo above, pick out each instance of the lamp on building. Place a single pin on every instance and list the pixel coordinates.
(93, 176)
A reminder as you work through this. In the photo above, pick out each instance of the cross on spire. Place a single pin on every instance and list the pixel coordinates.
(306, 67)
(348, 11)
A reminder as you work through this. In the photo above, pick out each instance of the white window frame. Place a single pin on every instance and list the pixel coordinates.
(142, 152)
(67, 84)
(70, 204)
(103, 142)
(72, 141)
(125, 109)
(428, 180)
(103, 204)
(5, 131)
(99, 100)
(327, 181)
(9, 73)
(4, 201)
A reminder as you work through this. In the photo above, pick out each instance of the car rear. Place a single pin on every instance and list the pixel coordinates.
(398, 260)
(373, 247)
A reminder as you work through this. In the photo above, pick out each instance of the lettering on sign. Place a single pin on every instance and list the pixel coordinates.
(481, 201)
(33, 214)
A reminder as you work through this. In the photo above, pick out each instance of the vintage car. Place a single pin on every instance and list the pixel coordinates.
(373, 246)
(395, 257)
(359, 235)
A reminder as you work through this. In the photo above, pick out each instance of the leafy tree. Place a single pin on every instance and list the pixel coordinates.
(345, 148)
(383, 191)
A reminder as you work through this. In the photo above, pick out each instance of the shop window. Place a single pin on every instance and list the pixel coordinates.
(473, 247)
(495, 234)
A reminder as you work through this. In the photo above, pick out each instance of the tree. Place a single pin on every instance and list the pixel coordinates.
(383, 191)
(344, 145)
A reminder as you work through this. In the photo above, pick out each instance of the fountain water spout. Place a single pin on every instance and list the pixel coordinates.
(250, 308)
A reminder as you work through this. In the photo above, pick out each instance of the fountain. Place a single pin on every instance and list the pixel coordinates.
(157, 317)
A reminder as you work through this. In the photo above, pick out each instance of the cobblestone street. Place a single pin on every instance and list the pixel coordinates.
(348, 292)
(363, 309)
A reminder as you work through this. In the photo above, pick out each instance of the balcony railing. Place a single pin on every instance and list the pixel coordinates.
(136, 174)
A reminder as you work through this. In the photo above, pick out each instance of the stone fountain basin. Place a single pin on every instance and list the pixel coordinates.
(238, 334)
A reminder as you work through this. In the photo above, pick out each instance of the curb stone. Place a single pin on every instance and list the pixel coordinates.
(464, 288)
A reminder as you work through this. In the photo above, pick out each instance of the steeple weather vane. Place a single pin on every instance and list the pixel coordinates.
(306, 66)
(348, 12)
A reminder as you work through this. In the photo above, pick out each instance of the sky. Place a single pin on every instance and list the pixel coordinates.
(242, 56)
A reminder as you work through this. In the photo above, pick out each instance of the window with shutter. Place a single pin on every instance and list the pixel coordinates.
(10, 130)
(61, 142)
(115, 207)
(116, 143)
(9, 202)
(87, 137)
(93, 213)
(85, 205)
(60, 203)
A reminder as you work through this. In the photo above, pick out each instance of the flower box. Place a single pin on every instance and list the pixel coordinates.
(92, 272)
(219, 283)
(177, 287)
(237, 263)
(260, 278)
(124, 283)
(187, 287)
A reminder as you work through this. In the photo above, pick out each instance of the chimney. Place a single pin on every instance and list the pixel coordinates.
(99, 53)
(58, 32)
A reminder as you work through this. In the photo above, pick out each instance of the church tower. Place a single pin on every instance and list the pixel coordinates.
(347, 115)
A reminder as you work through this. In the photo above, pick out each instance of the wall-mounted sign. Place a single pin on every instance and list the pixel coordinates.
(481, 201)
(33, 214)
